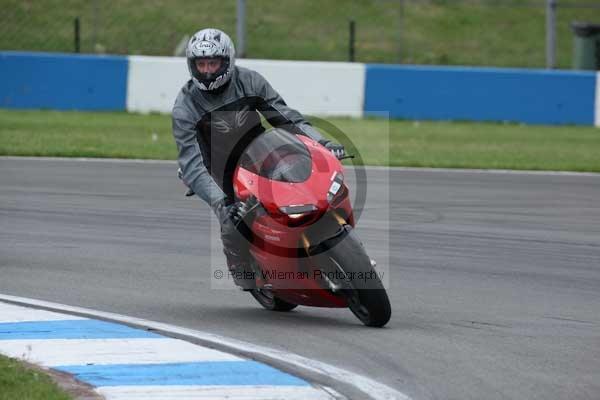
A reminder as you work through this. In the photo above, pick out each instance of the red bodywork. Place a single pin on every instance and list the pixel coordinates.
(276, 241)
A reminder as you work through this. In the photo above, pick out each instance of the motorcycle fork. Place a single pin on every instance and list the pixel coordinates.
(332, 226)
(318, 240)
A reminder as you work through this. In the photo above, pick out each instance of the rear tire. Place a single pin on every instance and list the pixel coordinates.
(268, 300)
(367, 298)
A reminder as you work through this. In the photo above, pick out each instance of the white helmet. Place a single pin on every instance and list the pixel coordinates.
(211, 43)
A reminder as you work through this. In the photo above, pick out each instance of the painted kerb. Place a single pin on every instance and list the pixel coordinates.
(122, 362)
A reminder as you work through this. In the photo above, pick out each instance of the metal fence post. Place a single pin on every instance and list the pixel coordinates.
(95, 22)
(241, 28)
(77, 36)
(351, 44)
(551, 33)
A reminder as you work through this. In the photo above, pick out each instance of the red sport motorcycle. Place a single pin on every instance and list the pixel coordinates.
(300, 226)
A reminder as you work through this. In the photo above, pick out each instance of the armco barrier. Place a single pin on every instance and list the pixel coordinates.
(62, 82)
(481, 94)
(150, 84)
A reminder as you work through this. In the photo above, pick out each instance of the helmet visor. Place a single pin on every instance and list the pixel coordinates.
(207, 69)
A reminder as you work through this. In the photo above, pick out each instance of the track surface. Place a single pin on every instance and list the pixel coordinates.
(494, 278)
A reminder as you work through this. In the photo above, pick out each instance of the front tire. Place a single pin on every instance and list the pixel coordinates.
(367, 298)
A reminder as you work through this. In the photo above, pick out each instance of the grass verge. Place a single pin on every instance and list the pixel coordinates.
(378, 141)
(18, 382)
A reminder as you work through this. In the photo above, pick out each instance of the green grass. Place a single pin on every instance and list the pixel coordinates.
(75, 134)
(18, 382)
(377, 141)
(475, 145)
(455, 32)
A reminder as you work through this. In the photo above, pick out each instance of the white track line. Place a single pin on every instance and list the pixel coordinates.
(376, 390)
(12, 313)
(368, 167)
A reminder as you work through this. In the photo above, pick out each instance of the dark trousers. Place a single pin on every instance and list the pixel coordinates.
(236, 242)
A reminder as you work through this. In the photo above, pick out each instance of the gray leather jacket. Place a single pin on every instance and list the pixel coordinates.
(210, 126)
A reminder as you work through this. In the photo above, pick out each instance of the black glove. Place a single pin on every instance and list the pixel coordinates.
(336, 148)
(223, 210)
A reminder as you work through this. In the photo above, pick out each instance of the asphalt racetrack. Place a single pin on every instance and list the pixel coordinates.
(494, 278)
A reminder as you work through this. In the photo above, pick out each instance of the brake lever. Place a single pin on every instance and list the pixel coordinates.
(346, 156)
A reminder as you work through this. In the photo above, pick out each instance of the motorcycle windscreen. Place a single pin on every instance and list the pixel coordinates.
(278, 155)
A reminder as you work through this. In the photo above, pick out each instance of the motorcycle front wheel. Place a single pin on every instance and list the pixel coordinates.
(349, 267)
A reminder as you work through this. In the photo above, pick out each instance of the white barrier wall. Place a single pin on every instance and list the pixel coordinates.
(317, 88)
(320, 88)
(154, 82)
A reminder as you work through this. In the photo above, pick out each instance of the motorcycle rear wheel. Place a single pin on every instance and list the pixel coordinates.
(268, 300)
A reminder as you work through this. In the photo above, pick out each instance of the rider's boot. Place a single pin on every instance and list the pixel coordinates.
(238, 260)
(240, 270)
(236, 249)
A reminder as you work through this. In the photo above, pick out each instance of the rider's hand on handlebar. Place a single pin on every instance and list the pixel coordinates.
(233, 212)
(336, 148)
(222, 211)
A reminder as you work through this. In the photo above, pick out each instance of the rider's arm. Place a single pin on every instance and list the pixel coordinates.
(278, 113)
(194, 172)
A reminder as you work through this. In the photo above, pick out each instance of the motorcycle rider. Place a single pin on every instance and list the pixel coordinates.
(215, 117)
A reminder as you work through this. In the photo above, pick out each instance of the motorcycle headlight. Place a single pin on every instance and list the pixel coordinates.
(298, 214)
(296, 211)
